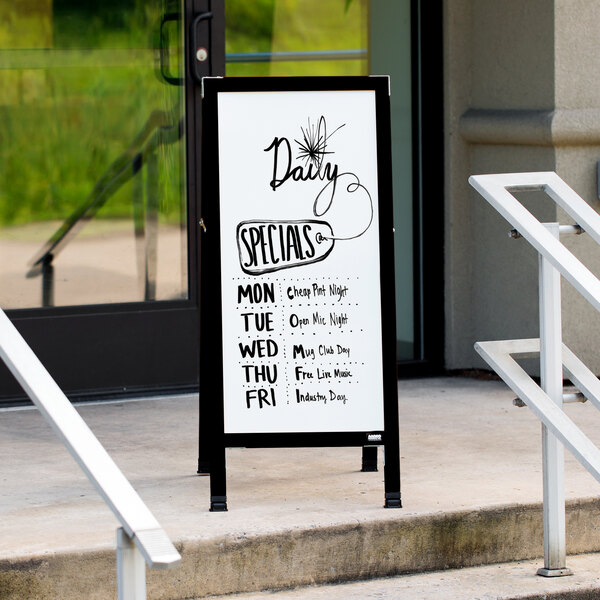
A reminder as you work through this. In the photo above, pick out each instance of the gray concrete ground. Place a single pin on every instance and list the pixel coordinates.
(465, 449)
(512, 581)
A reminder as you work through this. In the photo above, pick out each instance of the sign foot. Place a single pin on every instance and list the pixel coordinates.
(218, 504)
(392, 500)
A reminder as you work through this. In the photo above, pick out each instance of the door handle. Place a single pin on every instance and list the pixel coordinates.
(200, 54)
(165, 67)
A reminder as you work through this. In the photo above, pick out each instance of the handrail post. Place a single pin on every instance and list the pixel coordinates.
(48, 281)
(151, 229)
(546, 403)
(131, 569)
(552, 383)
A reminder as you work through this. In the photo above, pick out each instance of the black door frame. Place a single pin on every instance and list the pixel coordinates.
(428, 186)
(150, 347)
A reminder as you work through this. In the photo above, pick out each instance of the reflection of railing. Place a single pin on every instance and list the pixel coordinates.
(158, 130)
(315, 55)
(140, 537)
(546, 402)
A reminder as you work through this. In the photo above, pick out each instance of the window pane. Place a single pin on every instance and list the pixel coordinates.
(92, 180)
(342, 37)
(286, 37)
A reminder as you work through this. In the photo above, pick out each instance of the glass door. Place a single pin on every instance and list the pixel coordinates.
(353, 37)
(97, 215)
(92, 172)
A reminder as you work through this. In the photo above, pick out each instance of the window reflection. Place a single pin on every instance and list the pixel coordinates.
(92, 185)
(286, 37)
(342, 37)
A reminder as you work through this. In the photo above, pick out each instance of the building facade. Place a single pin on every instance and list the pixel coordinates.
(100, 168)
(519, 95)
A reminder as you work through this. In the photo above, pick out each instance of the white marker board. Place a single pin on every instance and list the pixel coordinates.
(300, 261)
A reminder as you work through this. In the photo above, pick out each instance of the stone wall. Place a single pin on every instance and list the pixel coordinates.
(520, 95)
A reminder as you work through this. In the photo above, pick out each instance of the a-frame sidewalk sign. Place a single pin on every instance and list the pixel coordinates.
(298, 337)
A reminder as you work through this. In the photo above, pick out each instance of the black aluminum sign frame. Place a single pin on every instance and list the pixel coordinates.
(255, 254)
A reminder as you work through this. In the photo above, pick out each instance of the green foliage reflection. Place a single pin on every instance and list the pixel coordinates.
(78, 81)
(296, 26)
(75, 90)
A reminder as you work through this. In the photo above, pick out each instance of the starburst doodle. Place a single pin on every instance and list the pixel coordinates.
(313, 148)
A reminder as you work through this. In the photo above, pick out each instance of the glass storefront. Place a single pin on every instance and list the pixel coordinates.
(100, 168)
(342, 37)
(92, 166)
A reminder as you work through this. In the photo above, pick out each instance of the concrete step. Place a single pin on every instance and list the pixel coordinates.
(471, 490)
(316, 555)
(507, 581)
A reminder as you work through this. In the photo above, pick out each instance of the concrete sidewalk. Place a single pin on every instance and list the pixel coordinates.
(471, 493)
(505, 581)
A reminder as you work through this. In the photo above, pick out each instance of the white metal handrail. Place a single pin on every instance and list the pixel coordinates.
(140, 536)
(546, 401)
(500, 356)
(496, 189)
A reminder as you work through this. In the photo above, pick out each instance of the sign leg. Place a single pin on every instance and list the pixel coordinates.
(369, 459)
(218, 483)
(203, 464)
(391, 474)
(204, 443)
